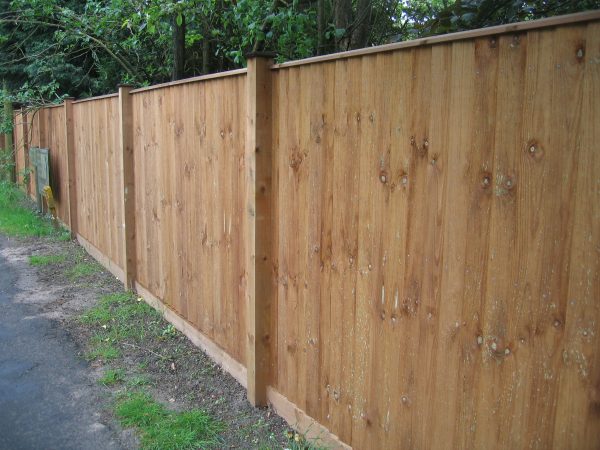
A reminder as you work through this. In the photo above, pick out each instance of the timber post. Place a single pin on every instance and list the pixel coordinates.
(71, 166)
(25, 132)
(127, 184)
(259, 254)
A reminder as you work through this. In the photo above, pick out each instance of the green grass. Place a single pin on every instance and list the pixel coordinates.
(105, 351)
(112, 376)
(17, 218)
(82, 270)
(119, 317)
(295, 442)
(169, 331)
(138, 380)
(46, 260)
(162, 429)
(123, 318)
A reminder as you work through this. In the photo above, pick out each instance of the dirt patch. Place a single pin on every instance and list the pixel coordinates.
(167, 365)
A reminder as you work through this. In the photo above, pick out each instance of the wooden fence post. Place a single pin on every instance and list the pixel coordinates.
(128, 184)
(41, 128)
(71, 166)
(8, 142)
(259, 227)
(25, 132)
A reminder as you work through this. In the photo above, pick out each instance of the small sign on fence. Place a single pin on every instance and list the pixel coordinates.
(40, 164)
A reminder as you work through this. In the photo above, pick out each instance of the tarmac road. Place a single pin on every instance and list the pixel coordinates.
(47, 400)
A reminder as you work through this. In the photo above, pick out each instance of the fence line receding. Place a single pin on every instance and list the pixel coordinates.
(395, 248)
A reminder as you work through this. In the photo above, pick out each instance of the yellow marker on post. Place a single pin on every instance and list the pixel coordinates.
(51, 205)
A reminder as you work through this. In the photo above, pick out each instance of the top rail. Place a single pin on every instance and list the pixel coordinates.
(210, 76)
(100, 97)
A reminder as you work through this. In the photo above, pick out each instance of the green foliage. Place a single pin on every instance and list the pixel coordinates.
(296, 441)
(121, 317)
(112, 376)
(289, 31)
(25, 175)
(169, 331)
(53, 48)
(138, 380)
(82, 270)
(46, 260)
(439, 17)
(163, 429)
(17, 218)
(104, 351)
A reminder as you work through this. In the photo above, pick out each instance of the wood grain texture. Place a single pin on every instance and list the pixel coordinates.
(189, 144)
(127, 184)
(20, 134)
(33, 119)
(51, 127)
(71, 166)
(45, 128)
(98, 172)
(258, 220)
(434, 288)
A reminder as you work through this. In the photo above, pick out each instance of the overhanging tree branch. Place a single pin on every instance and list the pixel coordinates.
(122, 62)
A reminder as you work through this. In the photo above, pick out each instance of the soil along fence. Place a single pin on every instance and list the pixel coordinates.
(395, 247)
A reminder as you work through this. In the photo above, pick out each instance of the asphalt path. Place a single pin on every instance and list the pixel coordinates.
(47, 399)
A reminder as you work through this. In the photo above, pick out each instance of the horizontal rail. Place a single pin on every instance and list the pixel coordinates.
(451, 37)
(100, 97)
(211, 76)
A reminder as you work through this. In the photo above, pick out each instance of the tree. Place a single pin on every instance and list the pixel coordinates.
(53, 48)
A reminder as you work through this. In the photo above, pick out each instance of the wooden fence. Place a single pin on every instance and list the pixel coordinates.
(396, 247)
(98, 176)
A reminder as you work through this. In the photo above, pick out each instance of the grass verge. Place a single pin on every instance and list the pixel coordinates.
(112, 376)
(17, 218)
(46, 260)
(82, 270)
(103, 351)
(122, 317)
(164, 429)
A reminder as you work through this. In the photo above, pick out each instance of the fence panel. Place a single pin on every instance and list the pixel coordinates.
(98, 174)
(188, 152)
(55, 140)
(433, 284)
